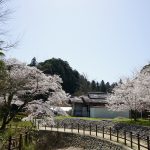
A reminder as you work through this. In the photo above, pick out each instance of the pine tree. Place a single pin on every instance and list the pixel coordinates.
(108, 87)
(102, 86)
(97, 86)
(93, 85)
(113, 85)
(120, 81)
(33, 62)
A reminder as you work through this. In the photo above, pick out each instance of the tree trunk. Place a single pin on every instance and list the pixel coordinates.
(141, 114)
(8, 116)
(135, 115)
(4, 123)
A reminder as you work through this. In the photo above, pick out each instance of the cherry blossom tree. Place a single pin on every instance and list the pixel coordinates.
(142, 89)
(132, 95)
(30, 89)
(5, 42)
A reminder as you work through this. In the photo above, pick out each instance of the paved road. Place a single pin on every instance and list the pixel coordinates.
(100, 135)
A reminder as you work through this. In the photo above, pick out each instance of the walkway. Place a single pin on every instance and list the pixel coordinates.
(107, 137)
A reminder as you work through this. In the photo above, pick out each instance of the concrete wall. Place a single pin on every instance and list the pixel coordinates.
(102, 112)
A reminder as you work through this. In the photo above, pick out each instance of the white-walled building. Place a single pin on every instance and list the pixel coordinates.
(93, 105)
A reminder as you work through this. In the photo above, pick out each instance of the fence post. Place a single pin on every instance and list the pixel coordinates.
(26, 138)
(45, 127)
(117, 135)
(148, 146)
(30, 138)
(90, 129)
(20, 142)
(138, 137)
(15, 128)
(9, 145)
(35, 122)
(103, 131)
(131, 139)
(38, 125)
(78, 128)
(32, 122)
(72, 127)
(57, 126)
(110, 133)
(84, 129)
(96, 130)
(64, 127)
(125, 142)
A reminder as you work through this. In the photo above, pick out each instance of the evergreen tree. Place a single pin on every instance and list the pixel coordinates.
(108, 87)
(113, 85)
(93, 86)
(97, 86)
(120, 81)
(84, 87)
(33, 62)
(102, 86)
(70, 77)
(73, 82)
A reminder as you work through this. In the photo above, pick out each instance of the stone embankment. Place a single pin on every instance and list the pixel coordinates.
(49, 140)
(135, 129)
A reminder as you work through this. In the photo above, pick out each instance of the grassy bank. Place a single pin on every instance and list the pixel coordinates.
(14, 129)
(142, 122)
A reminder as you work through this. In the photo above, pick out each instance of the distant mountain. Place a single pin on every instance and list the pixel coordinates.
(73, 82)
(69, 76)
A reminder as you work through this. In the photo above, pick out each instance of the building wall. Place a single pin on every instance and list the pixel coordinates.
(103, 112)
(77, 110)
(80, 110)
(85, 111)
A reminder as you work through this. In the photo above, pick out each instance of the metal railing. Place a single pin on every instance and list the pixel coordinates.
(17, 142)
(134, 141)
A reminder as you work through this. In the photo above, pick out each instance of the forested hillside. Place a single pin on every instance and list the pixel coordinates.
(73, 82)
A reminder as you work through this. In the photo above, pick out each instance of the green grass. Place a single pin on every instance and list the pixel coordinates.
(14, 129)
(29, 147)
(21, 124)
(142, 122)
(84, 118)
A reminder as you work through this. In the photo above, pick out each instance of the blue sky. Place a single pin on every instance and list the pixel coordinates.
(105, 39)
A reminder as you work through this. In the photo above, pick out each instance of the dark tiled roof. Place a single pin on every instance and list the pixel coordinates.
(97, 95)
(88, 100)
(75, 100)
